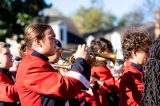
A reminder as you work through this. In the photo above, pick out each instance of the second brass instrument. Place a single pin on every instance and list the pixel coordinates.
(70, 59)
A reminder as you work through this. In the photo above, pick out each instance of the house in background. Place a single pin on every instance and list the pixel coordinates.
(60, 30)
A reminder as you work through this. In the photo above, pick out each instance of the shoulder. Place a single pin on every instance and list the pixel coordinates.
(32, 59)
(32, 62)
(99, 68)
(126, 76)
(5, 79)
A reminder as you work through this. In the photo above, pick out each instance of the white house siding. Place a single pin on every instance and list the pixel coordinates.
(14, 46)
(117, 45)
(60, 29)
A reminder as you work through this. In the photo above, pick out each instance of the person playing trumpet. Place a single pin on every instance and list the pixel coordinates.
(37, 82)
(102, 80)
(101, 72)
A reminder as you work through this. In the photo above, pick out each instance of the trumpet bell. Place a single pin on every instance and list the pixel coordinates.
(109, 56)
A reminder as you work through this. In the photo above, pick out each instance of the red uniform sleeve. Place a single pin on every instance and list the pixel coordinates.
(41, 79)
(8, 91)
(104, 74)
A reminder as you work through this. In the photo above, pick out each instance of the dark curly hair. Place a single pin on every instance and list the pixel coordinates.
(101, 44)
(151, 78)
(134, 39)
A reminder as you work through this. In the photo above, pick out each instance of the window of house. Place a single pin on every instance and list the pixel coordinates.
(61, 34)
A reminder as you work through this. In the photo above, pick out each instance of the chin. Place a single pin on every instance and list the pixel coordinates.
(142, 64)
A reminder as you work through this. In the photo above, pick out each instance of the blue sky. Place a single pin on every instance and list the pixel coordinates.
(116, 7)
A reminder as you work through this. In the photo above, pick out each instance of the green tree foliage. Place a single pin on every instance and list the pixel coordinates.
(93, 19)
(16, 14)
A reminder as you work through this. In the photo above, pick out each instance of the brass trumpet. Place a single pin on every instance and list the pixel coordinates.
(109, 56)
(66, 67)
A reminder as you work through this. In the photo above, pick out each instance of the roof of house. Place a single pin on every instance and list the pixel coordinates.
(99, 33)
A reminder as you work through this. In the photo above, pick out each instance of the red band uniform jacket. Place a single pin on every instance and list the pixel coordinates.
(39, 85)
(110, 85)
(131, 86)
(8, 91)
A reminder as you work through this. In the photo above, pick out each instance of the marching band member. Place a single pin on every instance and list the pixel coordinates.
(101, 72)
(37, 82)
(135, 48)
(8, 90)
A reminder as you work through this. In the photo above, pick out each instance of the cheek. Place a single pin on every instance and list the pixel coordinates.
(5, 62)
(144, 58)
(3, 59)
(52, 45)
(10, 63)
(9, 60)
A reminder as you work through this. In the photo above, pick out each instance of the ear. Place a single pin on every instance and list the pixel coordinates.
(37, 43)
(133, 53)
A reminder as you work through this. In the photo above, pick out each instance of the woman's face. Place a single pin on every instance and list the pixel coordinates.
(49, 42)
(6, 60)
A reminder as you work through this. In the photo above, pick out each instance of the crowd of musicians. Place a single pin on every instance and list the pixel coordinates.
(36, 78)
